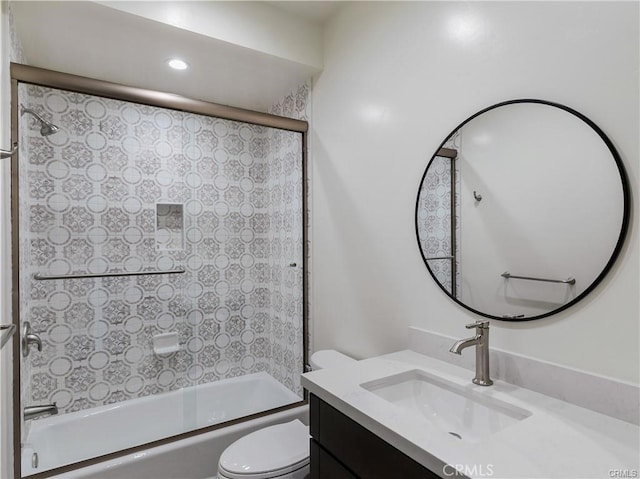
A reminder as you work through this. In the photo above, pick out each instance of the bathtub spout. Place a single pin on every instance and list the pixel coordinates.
(32, 412)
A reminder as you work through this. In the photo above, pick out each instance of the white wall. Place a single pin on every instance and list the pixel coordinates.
(398, 77)
(6, 432)
(547, 182)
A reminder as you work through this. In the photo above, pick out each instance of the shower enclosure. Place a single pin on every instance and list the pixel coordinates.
(159, 265)
(438, 215)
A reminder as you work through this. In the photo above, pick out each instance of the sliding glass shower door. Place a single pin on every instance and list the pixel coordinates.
(437, 219)
(161, 267)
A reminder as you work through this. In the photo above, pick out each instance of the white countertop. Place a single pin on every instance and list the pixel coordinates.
(559, 440)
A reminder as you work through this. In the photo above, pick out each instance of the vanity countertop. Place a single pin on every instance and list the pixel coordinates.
(558, 439)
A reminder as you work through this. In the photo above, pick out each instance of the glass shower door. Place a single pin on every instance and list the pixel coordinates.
(239, 268)
(103, 277)
(437, 220)
(162, 268)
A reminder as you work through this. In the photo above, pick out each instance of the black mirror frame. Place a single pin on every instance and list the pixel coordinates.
(625, 215)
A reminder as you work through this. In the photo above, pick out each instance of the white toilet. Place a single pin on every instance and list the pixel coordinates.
(280, 451)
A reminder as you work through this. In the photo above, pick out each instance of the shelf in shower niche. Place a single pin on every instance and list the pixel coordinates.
(40, 277)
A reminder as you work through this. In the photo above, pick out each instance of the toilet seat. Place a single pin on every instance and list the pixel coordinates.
(266, 453)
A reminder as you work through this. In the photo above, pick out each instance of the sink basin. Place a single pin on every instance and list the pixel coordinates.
(456, 410)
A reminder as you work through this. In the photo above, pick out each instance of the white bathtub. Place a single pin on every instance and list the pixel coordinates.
(74, 437)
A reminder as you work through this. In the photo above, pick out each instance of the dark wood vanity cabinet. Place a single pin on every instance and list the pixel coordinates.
(343, 449)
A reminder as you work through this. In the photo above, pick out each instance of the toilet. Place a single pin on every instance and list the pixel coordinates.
(281, 450)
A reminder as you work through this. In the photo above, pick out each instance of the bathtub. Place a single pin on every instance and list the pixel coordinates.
(82, 435)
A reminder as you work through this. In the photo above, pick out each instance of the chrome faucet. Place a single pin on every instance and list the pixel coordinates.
(32, 412)
(481, 342)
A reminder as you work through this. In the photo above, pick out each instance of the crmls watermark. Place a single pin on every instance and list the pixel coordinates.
(629, 473)
(471, 470)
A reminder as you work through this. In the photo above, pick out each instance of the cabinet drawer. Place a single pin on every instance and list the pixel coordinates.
(325, 466)
(361, 451)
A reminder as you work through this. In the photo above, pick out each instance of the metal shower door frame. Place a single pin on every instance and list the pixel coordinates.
(90, 86)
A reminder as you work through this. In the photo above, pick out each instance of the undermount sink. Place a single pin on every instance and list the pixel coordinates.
(461, 412)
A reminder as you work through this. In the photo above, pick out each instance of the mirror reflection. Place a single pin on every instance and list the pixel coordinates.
(522, 210)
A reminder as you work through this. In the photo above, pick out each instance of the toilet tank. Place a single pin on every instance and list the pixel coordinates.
(329, 358)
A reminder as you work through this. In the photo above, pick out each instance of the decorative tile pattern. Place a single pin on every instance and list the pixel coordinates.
(286, 307)
(92, 195)
(434, 217)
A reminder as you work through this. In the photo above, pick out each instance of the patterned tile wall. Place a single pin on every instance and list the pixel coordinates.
(287, 354)
(90, 202)
(434, 217)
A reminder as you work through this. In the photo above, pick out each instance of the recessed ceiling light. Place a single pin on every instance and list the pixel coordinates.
(177, 64)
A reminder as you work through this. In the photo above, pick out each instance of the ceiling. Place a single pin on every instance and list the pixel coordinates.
(93, 40)
(317, 12)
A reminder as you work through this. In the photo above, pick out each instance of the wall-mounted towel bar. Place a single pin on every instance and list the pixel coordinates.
(569, 280)
(104, 275)
(439, 257)
(8, 153)
(6, 331)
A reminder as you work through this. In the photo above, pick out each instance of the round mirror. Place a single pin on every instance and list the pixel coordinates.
(522, 210)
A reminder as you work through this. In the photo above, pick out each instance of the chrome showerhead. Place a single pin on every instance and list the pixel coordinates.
(46, 127)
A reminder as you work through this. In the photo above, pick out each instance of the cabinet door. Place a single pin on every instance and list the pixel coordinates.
(325, 466)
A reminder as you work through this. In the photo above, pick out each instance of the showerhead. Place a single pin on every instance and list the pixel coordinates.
(46, 128)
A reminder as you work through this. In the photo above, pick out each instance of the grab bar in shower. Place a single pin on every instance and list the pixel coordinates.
(6, 331)
(439, 257)
(104, 275)
(569, 280)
